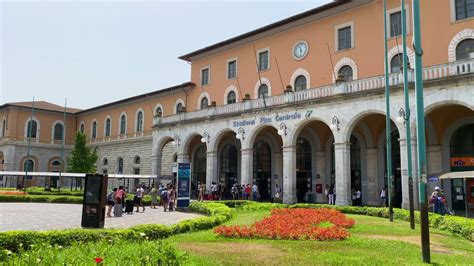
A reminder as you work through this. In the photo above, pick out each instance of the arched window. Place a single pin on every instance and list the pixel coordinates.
(82, 128)
(140, 121)
(94, 130)
(204, 103)
(300, 83)
(179, 108)
(346, 73)
(465, 49)
(4, 127)
(55, 166)
(120, 166)
(123, 124)
(263, 91)
(159, 112)
(105, 161)
(462, 142)
(136, 160)
(58, 132)
(396, 63)
(29, 165)
(231, 97)
(107, 127)
(32, 128)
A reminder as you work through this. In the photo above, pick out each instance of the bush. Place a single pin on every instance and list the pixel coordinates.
(41, 198)
(20, 241)
(54, 191)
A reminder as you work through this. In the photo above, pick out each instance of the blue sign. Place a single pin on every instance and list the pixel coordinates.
(184, 185)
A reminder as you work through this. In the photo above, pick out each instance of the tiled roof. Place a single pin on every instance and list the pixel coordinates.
(45, 106)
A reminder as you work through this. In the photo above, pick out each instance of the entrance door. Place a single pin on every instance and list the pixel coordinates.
(228, 176)
(262, 169)
(198, 174)
(303, 170)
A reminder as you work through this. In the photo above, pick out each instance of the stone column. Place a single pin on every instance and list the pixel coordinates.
(434, 163)
(246, 170)
(289, 174)
(278, 170)
(156, 168)
(321, 172)
(342, 155)
(404, 166)
(211, 168)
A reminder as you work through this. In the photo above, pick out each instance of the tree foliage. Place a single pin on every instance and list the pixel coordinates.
(82, 159)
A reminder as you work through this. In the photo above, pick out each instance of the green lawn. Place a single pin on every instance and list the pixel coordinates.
(373, 241)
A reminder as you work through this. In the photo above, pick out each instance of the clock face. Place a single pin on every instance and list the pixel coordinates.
(300, 50)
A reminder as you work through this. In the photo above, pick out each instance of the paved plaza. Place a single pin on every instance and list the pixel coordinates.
(48, 216)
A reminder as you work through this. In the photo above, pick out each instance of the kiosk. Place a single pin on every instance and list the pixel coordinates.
(95, 198)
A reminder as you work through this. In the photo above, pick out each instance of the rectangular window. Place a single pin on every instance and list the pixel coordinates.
(205, 76)
(232, 69)
(464, 9)
(263, 60)
(395, 24)
(344, 38)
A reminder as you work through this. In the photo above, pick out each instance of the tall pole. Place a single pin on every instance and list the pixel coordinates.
(420, 133)
(407, 116)
(387, 119)
(62, 146)
(28, 151)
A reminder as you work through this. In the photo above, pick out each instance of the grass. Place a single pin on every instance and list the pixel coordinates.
(373, 241)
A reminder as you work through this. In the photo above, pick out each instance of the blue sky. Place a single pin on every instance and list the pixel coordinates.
(94, 52)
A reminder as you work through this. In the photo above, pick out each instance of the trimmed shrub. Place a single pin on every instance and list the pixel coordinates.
(41, 198)
(54, 191)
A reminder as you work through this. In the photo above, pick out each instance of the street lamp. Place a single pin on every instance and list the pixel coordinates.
(335, 124)
(205, 137)
(282, 130)
(240, 134)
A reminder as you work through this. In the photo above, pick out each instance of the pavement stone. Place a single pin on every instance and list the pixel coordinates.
(50, 216)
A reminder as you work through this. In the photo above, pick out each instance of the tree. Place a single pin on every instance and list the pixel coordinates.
(82, 160)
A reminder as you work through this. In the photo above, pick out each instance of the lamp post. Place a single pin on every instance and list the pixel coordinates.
(176, 141)
(420, 133)
(407, 117)
(387, 119)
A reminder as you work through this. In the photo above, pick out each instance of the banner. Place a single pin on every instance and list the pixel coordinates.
(184, 185)
(462, 161)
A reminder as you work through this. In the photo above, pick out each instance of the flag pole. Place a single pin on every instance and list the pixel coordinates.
(407, 117)
(420, 134)
(62, 166)
(387, 119)
(30, 129)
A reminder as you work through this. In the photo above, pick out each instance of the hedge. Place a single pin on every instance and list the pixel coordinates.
(19, 241)
(54, 192)
(41, 198)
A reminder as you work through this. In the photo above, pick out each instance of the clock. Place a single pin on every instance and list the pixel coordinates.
(300, 50)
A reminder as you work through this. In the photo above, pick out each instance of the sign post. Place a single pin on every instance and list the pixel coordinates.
(184, 185)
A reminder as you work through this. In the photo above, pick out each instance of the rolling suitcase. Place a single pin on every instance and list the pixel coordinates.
(118, 210)
(129, 206)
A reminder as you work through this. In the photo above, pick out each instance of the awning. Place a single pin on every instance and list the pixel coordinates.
(453, 175)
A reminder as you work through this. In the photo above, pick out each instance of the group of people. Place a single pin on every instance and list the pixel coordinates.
(439, 202)
(116, 199)
(330, 193)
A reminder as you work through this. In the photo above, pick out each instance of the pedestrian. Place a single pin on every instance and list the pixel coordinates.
(435, 200)
(120, 195)
(214, 191)
(247, 190)
(331, 195)
(171, 198)
(164, 198)
(326, 192)
(255, 193)
(111, 201)
(234, 190)
(139, 198)
(383, 196)
(277, 193)
(358, 197)
(154, 196)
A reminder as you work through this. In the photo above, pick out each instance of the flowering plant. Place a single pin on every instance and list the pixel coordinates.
(297, 224)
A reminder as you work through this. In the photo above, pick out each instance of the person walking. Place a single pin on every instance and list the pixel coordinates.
(247, 191)
(139, 198)
(154, 196)
(358, 195)
(164, 198)
(111, 201)
(331, 195)
(277, 194)
(234, 191)
(255, 194)
(436, 200)
(383, 196)
(172, 198)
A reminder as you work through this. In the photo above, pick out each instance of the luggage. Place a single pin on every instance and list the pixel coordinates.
(129, 206)
(118, 210)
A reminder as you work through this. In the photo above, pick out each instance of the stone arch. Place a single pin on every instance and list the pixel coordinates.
(51, 160)
(446, 140)
(187, 141)
(300, 72)
(293, 134)
(228, 90)
(352, 123)
(161, 144)
(346, 61)
(398, 49)
(260, 82)
(251, 136)
(459, 37)
(218, 137)
(178, 101)
(203, 95)
(35, 162)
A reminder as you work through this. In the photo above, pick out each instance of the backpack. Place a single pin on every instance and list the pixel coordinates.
(164, 195)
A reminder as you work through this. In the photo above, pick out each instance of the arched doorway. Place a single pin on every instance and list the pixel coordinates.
(396, 169)
(356, 169)
(462, 159)
(303, 169)
(262, 168)
(228, 168)
(198, 170)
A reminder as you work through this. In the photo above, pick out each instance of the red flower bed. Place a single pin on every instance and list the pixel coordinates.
(302, 224)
